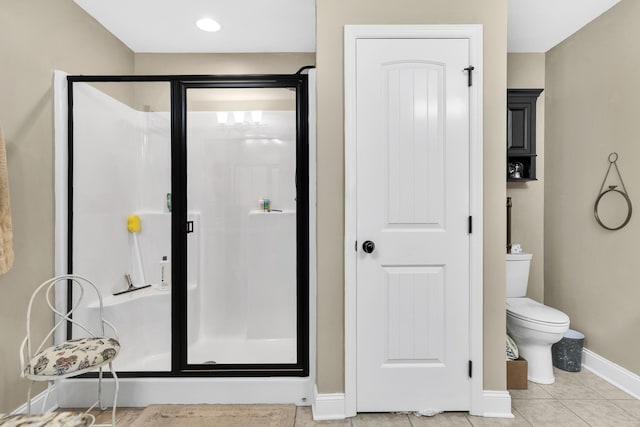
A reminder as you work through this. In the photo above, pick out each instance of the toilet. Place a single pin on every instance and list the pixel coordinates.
(534, 326)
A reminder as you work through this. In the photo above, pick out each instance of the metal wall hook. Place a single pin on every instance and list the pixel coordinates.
(613, 158)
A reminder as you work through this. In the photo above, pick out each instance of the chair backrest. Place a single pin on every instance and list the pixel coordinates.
(78, 286)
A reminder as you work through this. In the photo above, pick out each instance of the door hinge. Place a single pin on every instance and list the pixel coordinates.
(469, 70)
(470, 369)
(189, 227)
(470, 224)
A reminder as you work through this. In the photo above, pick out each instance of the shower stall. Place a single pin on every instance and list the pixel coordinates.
(189, 201)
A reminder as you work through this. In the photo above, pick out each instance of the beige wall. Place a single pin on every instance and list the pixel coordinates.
(527, 71)
(222, 63)
(332, 15)
(592, 109)
(37, 37)
(157, 95)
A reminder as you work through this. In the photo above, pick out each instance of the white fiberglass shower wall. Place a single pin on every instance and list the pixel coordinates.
(240, 282)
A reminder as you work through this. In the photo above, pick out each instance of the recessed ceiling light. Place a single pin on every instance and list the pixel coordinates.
(208, 24)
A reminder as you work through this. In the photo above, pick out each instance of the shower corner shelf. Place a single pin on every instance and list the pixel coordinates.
(273, 212)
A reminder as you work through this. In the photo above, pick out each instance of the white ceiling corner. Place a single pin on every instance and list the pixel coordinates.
(539, 25)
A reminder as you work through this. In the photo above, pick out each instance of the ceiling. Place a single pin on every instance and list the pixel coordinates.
(247, 25)
(289, 25)
(537, 26)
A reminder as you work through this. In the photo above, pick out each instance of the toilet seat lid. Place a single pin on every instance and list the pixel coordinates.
(533, 311)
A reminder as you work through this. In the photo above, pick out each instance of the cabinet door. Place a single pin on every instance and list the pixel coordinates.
(519, 129)
(521, 133)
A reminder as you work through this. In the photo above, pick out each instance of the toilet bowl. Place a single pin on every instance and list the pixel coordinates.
(533, 326)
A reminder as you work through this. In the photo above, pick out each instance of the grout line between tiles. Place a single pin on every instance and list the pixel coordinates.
(575, 413)
(620, 407)
(522, 416)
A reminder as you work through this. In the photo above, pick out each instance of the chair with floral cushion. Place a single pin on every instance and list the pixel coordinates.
(73, 357)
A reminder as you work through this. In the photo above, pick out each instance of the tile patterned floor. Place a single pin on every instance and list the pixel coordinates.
(575, 400)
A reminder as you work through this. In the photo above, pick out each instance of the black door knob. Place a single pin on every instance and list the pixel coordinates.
(368, 246)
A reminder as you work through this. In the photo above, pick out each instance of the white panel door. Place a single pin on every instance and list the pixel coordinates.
(412, 136)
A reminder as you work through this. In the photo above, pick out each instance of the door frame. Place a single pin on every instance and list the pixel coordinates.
(473, 33)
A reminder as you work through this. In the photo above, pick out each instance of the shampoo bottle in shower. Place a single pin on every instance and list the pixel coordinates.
(165, 273)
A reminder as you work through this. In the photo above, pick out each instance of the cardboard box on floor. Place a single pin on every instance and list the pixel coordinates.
(517, 374)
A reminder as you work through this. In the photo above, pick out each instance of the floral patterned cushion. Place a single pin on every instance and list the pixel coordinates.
(512, 349)
(50, 419)
(72, 357)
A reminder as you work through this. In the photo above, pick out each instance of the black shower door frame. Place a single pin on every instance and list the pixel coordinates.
(179, 85)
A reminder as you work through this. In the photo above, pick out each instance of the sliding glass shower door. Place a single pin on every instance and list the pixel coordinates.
(246, 233)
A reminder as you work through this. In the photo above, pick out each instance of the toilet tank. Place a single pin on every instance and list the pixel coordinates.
(518, 274)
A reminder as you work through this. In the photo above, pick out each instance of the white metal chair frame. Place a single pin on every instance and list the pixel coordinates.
(78, 283)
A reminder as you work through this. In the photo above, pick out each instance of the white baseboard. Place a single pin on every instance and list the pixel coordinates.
(497, 404)
(37, 401)
(611, 372)
(331, 406)
(328, 406)
(140, 392)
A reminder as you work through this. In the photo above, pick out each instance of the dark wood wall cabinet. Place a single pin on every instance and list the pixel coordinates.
(521, 134)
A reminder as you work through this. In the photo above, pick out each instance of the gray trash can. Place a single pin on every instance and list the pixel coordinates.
(567, 353)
